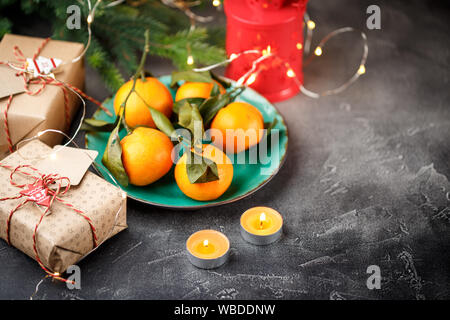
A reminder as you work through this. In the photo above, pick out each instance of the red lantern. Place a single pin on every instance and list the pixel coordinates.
(270, 26)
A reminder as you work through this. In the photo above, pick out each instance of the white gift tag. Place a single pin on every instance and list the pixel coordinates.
(10, 83)
(72, 163)
(42, 65)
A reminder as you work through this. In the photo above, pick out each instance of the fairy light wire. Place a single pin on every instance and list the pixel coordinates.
(361, 67)
(71, 139)
(90, 19)
(310, 25)
(309, 34)
(255, 64)
(232, 57)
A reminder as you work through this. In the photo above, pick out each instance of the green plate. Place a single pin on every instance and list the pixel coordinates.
(247, 178)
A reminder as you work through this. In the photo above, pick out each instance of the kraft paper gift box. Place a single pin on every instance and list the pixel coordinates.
(63, 237)
(28, 114)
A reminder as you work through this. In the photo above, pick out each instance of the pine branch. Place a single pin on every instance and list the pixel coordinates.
(118, 34)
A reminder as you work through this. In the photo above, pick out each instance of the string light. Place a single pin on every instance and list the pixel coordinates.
(185, 7)
(251, 74)
(190, 60)
(290, 73)
(267, 51)
(311, 24)
(53, 156)
(362, 69)
(251, 79)
(90, 19)
(216, 3)
(318, 51)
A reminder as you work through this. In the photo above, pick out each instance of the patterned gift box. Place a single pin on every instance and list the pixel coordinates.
(64, 236)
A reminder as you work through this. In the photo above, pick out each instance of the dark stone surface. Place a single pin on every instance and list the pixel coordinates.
(365, 183)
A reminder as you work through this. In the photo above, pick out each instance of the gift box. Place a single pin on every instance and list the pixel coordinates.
(83, 217)
(29, 114)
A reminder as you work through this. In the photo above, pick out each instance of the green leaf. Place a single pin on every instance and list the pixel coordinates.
(236, 92)
(269, 126)
(226, 84)
(211, 106)
(215, 91)
(162, 122)
(98, 125)
(200, 169)
(192, 101)
(190, 76)
(188, 117)
(112, 158)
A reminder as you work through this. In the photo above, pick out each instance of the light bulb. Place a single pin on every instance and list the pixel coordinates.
(90, 19)
(267, 51)
(190, 60)
(299, 46)
(362, 69)
(318, 51)
(233, 56)
(216, 3)
(52, 156)
(290, 73)
(251, 79)
(311, 24)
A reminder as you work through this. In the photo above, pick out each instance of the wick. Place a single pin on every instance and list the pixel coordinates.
(205, 243)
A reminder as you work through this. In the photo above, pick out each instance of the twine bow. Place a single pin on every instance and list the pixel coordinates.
(43, 80)
(43, 191)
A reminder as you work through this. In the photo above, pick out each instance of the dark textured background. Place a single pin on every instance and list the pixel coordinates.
(365, 182)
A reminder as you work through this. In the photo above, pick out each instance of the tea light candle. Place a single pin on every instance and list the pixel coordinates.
(208, 249)
(261, 225)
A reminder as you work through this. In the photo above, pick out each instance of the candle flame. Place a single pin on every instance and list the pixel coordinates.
(262, 218)
(205, 243)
